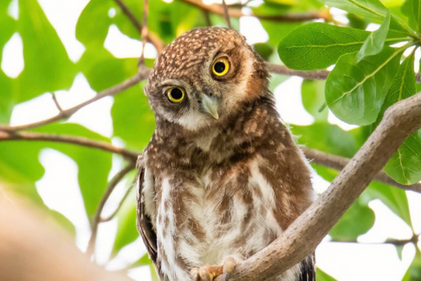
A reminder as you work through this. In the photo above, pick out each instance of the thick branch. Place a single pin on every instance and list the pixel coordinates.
(306, 232)
(32, 136)
(111, 186)
(237, 13)
(69, 112)
(338, 163)
(32, 249)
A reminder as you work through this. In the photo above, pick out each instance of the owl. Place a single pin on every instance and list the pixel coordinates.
(221, 177)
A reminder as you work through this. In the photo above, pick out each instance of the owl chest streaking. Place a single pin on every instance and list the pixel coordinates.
(222, 177)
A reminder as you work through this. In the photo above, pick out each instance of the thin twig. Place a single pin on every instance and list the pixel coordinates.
(237, 13)
(97, 218)
(101, 145)
(226, 14)
(144, 31)
(56, 102)
(69, 112)
(338, 163)
(110, 217)
(207, 17)
(311, 75)
(129, 14)
(153, 38)
(395, 242)
(305, 233)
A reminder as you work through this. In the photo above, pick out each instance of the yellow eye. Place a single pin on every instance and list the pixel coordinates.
(176, 94)
(220, 66)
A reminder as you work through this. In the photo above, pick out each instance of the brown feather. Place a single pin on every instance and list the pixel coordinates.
(144, 225)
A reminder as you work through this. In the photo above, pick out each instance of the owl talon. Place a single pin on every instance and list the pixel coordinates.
(195, 274)
(206, 273)
(210, 272)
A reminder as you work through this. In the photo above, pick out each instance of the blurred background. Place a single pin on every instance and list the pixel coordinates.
(78, 48)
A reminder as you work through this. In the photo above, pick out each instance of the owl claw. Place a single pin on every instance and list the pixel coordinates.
(195, 274)
(209, 272)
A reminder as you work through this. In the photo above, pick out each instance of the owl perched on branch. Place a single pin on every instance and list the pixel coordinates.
(221, 177)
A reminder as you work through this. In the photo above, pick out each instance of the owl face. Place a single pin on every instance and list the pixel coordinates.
(203, 77)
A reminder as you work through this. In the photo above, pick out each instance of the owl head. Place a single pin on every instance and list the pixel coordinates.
(204, 77)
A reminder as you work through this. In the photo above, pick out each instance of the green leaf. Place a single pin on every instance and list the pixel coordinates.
(103, 70)
(414, 271)
(92, 26)
(319, 45)
(399, 249)
(7, 28)
(357, 220)
(122, 21)
(133, 120)
(392, 197)
(93, 165)
(412, 9)
(399, 30)
(168, 22)
(329, 138)
(313, 96)
(355, 91)
(126, 231)
(323, 276)
(264, 50)
(20, 169)
(47, 64)
(405, 165)
(371, 8)
(375, 41)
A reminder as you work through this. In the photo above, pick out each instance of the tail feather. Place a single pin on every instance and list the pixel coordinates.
(308, 269)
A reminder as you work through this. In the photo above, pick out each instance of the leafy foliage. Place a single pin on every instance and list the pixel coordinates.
(364, 84)
(370, 74)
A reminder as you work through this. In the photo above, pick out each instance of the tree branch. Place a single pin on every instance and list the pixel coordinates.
(306, 232)
(237, 13)
(315, 156)
(143, 74)
(312, 75)
(338, 163)
(97, 219)
(110, 217)
(153, 38)
(396, 242)
(53, 95)
(32, 136)
(226, 14)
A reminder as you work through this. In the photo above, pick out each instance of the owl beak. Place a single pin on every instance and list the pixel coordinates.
(210, 105)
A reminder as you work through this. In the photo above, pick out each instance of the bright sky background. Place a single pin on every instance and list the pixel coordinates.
(59, 187)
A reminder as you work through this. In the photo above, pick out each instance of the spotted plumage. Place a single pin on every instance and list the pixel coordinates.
(221, 177)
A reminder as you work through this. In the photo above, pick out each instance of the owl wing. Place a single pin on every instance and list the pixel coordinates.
(144, 225)
(308, 269)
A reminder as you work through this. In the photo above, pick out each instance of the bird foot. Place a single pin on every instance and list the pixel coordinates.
(210, 272)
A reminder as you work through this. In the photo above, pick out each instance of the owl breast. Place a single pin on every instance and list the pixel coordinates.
(220, 212)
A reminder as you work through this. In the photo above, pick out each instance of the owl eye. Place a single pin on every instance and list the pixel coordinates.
(176, 94)
(220, 66)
